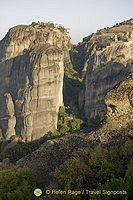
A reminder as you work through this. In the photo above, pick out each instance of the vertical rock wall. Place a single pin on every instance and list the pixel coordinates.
(104, 70)
(31, 72)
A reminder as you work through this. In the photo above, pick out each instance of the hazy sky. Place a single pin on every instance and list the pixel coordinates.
(83, 17)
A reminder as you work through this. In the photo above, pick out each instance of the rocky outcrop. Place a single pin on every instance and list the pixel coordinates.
(8, 120)
(116, 130)
(108, 93)
(119, 117)
(31, 80)
(103, 70)
(52, 154)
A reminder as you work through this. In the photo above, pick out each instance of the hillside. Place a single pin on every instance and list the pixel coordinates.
(108, 60)
(78, 138)
(123, 27)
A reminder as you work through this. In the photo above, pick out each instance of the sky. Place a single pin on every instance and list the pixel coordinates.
(83, 17)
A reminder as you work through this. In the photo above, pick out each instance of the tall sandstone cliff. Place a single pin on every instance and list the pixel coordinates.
(31, 80)
(117, 129)
(107, 64)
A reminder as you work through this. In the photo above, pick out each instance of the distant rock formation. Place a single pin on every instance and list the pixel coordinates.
(117, 129)
(8, 120)
(119, 116)
(107, 92)
(31, 80)
(105, 68)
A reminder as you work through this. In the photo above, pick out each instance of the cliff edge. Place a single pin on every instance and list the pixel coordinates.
(31, 79)
(108, 60)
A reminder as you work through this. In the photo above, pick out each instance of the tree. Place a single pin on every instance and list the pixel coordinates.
(129, 179)
(96, 169)
(1, 135)
(33, 23)
(64, 129)
(16, 183)
(75, 124)
(108, 43)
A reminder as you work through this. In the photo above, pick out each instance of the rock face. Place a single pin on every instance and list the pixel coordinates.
(8, 120)
(119, 103)
(103, 70)
(108, 92)
(31, 80)
(119, 117)
(52, 154)
(117, 129)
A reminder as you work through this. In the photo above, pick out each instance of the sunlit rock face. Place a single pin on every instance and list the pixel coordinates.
(118, 125)
(31, 80)
(103, 70)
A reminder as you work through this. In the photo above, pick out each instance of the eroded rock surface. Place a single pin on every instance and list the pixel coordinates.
(103, 70)
(119, 121)
(52, 154)
(116, 130)
(31, 73)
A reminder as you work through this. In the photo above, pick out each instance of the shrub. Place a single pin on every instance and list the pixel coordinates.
(13, 137)
(1, 135)
(53, 135)
(108, 43)
(62, 112)
(98, 169)
(16, 183)
(75, 124)
(129, 179)
(21, 149)
(62, 29)
(64, 129)
(122, 38)
(121, 56)
(33, 23)
(51, 25)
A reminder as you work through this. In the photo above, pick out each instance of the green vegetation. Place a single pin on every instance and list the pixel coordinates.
(108, 168)
(103, 44)
(14, 136)
(100, 47)
(1, 135)
(77, 56)
(122, 38)
(48, 25)
(51, 25)
(101, 168)
(68, 123)
(70, 117)
(73, 84)
(33, 24)
(75, 124)
(39, 24)
(20, 150)
(16, 183)
(108, 43)
(62, 29)
(121, 56)
(127, 22)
